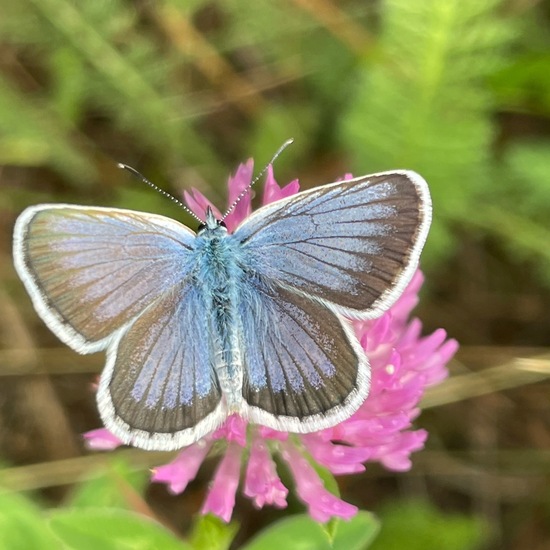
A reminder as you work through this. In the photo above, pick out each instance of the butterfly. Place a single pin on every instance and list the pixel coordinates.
(201, 325)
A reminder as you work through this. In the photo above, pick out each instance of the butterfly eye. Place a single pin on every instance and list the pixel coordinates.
(221, 223)
(201, 227)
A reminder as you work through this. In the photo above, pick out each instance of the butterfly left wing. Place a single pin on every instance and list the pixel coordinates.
(303, 367)
(353, 244)
(114, 279)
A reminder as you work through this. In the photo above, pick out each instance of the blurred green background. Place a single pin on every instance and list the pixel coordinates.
(184, 90)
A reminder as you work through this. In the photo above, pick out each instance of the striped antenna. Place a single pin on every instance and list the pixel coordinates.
(262, 172)
(136, 174)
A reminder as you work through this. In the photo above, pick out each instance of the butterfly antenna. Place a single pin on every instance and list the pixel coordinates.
(141, 177)
(262, 172)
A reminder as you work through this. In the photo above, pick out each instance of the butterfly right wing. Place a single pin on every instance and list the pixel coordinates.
(159, 389)
(346, 249)
(353, 244)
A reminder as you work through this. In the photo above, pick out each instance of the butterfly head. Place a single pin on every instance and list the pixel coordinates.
(211, 223)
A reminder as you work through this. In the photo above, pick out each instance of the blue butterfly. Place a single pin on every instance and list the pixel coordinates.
(199, 326)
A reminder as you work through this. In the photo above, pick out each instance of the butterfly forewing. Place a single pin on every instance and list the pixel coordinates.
(91, 270)
(159, 389)
(303, 368)
(354, 244)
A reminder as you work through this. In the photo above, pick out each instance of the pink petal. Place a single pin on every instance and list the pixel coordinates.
(183, 469)
(387, 372)
(269, 433)
(198, 203)
(359, 431)
(322, 504)
(221, 496)
(347, 176)
(434, 368)
(101, 440)
(233, 429)
(262, 484)
(447, 351)
(396, 455)
(339, 459)
(398, 400)
(410, 335)
(427, 346)
(273, 192)
(237, 184)
(408, 300)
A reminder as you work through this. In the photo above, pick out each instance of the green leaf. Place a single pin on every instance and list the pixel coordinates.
(300, 532)
(111, 529)
(211, 533)
(22, 525)
(357, 533)
(331, 528)
(419, 526)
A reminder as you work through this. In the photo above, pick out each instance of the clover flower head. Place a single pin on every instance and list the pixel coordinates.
(403, 365)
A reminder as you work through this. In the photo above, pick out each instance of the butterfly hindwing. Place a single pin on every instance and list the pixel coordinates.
(90, 270)
(353, 244)
(159, 389)
(303, 368)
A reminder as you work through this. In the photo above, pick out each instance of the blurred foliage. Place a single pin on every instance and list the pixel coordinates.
(520, 217)
(419, 526)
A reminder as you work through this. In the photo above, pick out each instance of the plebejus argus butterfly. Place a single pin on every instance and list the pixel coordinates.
(198, 326)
